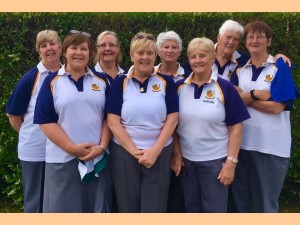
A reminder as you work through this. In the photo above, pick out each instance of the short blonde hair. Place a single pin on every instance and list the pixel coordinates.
(99, 38)
(203, 44)
(142, 40)
(46, 36)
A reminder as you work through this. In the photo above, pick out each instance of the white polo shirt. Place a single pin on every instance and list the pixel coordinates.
(204, 114)
(77, 107)
(266, 133)
(143, 107)
(180, 74)
(236, 60)
(98, 69)
(32, 141)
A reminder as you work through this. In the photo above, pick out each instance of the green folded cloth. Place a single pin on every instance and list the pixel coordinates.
(89, 170)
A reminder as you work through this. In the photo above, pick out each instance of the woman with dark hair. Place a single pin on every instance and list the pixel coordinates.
(268, 90)
(70, 111)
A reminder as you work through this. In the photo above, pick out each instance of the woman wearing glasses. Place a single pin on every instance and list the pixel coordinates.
(142, 112)
(70, 111)
(268, 91)
(20, 110)
(109, 56)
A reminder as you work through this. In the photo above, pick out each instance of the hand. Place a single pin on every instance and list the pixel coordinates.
(147, 157)
(176, 163)
(226, 174)
(82, 149)
(94, 152)
(285, 59)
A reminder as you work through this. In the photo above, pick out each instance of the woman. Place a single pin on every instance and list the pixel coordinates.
(20, 110)
(209, 131)
(169, 46)
(228, 57)
(109, 56)
(70, 111)
(142, 112)
(268, 91)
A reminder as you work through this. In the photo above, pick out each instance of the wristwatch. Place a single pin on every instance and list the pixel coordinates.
(232, 159)
(102, 148)
(253, 96)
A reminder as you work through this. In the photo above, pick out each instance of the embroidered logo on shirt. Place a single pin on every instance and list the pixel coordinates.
(269, 77)
(95, 87)
(156, 88)
(210, 94)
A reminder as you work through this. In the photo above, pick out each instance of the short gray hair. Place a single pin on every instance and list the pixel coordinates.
(169, 35)
(231, 25)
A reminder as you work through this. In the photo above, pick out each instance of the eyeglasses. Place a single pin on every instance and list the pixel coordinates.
(142, 36)
(80, 32)
(104, 45)
(258, 37)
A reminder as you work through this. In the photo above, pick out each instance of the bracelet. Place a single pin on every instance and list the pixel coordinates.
(253, 96)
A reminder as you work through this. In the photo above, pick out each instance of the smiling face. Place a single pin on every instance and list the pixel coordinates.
(170, 51)
(49, 52)
(143, 60)
(108, 49)
(201, 62)
(77, 57)
(228, 42)
(257, 42)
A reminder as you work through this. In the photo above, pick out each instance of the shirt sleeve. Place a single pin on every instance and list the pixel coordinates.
(19, 100)
(114, 99)
(235, 109)
(44, 108)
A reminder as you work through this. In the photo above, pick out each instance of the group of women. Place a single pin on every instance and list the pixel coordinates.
(87, 135)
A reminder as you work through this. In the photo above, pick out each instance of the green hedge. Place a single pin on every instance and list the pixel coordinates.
(18, 32)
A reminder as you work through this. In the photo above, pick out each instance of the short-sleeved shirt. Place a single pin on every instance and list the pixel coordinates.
(76, 106)
(143, 107)
(98, 69)
(32, 141)
(180, 74)
(204, 116)
(266, 133)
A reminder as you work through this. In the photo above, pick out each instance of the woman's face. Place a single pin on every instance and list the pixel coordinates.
(257, 43)
(201, 62)
(107, 48)
(170, 51)
(77, 56)
(50, 52)
(228, 43)
(143, 60)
